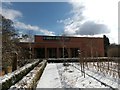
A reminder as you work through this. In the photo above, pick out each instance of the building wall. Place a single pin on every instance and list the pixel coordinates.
(53, 45)
(88, 46)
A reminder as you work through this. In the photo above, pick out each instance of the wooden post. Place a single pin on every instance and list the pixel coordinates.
(81, 65)
(108, 64)
(84, 66)
(119, 68)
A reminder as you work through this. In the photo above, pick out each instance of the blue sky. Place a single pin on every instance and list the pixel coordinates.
(81, 18)
(42, 14)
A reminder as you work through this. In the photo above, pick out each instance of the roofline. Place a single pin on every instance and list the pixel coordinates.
(68, 36)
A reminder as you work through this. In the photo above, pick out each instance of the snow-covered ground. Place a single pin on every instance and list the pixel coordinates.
(101, 76)
(50, 77)
(73, 78)
(56, 75)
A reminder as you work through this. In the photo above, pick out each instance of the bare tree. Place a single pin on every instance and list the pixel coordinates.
(28, 37)
(9, 42)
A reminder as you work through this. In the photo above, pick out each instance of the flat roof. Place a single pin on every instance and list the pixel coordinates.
(68, 36)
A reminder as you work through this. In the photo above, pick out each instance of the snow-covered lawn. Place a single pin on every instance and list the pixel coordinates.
(56, 75)
(102, 76)
(73, 78)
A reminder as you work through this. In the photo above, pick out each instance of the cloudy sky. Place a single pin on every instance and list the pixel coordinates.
(74, 18)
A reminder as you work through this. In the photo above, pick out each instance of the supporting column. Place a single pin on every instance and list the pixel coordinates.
(46, 52)
(58, 53)
(69, 53)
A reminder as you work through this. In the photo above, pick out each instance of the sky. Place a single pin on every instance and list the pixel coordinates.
(81, 18)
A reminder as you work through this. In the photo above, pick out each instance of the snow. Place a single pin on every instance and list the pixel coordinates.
(29, 79)
(103, 77)
(56, 75)
(50, 77)
(10, 75)
(75, 79)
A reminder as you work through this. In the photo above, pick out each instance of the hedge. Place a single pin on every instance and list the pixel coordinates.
(10, 79)
(30, 80)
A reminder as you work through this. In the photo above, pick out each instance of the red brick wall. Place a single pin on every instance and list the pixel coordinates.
(86, 44)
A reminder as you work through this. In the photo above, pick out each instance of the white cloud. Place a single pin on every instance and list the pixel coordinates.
(46, 32)
(21, 25)
(73, 24)
(24, 26)
(92, 28)
(11, 14)
(103, 12)
(106, 12)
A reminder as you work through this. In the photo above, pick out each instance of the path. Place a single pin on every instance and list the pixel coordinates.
(50, 77)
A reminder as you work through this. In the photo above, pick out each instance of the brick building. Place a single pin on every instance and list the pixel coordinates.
(65, 46)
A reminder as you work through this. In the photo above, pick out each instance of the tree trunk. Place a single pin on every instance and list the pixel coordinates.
(14, 63)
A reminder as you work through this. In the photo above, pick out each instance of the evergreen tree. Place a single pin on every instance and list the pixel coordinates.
(106, 44)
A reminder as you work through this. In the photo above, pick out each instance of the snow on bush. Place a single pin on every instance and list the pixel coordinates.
(11, 78)
(30, 80)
